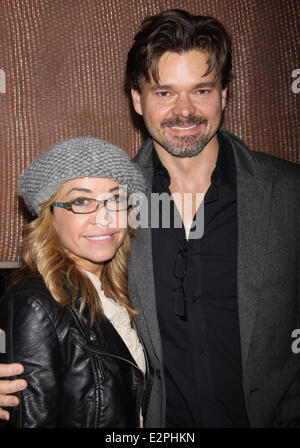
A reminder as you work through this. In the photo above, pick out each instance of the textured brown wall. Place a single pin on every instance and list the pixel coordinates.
(64, 64)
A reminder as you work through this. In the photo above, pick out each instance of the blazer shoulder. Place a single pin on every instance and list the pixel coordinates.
(269, 167)
(280, 172)
(276, 163)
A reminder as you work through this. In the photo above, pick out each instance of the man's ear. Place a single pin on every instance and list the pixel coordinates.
(224, 96)
(136, 101)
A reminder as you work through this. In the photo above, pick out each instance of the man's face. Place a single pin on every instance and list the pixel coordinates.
(182, 113)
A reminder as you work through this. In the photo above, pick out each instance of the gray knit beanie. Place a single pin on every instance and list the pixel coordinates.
(76, 158)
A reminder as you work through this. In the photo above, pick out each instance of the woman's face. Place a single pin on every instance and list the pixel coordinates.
(90, 239)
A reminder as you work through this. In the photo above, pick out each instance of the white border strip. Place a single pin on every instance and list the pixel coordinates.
(10, 264)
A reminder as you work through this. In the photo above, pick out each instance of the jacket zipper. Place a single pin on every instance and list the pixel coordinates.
(90, 349)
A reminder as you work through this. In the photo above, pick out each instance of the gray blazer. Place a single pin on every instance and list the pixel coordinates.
(268, 278)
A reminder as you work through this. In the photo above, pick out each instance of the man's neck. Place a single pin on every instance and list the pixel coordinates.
(190, 174)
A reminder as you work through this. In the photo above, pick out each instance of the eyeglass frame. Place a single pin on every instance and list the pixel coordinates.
(68, 205)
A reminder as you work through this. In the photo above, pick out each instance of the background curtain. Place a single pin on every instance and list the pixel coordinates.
(62, 75)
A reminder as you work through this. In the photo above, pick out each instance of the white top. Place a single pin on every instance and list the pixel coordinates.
(119, 318)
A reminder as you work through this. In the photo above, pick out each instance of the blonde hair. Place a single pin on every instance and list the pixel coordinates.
(43, 253)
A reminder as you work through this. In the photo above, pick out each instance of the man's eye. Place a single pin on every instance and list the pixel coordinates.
(203, 91)
(163, 94)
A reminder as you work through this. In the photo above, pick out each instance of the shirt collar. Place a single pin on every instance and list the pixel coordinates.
(158, 167)
(225, 168)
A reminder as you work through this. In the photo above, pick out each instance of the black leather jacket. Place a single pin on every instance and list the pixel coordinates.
(78, 375)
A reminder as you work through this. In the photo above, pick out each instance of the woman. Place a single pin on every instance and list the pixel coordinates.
(68, 318)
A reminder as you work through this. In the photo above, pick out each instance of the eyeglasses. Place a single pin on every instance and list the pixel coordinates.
(179, 301)
(84, 205)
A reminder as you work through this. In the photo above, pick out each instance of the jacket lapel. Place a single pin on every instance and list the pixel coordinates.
(253, 202)
(101, 336)
(140, 271)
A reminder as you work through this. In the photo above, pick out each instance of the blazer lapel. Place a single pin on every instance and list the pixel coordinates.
(140, 270)
(253, 199)
(253, 202)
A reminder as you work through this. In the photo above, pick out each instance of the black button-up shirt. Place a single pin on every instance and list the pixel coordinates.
(202, 354)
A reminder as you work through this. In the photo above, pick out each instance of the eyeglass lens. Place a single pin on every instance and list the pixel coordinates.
(89, 205)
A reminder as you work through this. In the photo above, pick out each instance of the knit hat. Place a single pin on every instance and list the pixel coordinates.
(76, 158)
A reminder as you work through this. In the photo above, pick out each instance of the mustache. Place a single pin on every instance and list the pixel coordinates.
(179, 121)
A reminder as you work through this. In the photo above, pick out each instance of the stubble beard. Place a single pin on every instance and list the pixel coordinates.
(186, 145)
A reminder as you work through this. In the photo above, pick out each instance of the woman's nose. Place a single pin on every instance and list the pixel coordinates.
(101, 216)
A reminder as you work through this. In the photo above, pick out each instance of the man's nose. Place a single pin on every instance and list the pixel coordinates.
(184, 106)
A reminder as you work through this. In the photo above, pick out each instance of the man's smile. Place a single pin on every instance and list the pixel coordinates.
(185, 130)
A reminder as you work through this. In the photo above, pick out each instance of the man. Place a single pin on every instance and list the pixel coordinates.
(217, 312)
(226, 303)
